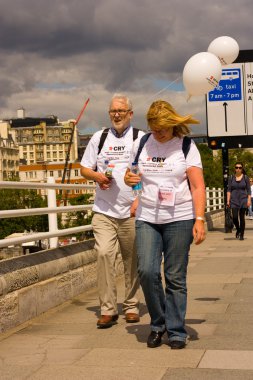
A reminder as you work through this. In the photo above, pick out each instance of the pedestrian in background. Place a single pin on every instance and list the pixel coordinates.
(113, 220)
(239, 198)
(170, 214)
(250, 207)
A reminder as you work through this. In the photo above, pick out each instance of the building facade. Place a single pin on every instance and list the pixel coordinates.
(49, 140)
(9, 153)
(40, 173)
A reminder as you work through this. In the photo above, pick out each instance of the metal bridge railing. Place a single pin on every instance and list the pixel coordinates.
(215, 201)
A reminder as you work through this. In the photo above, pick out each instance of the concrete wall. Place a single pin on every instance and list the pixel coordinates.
(35, 283)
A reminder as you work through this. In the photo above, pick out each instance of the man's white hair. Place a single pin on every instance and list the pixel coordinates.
(122, 96)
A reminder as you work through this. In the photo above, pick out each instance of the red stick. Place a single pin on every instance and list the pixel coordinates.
(82, 111)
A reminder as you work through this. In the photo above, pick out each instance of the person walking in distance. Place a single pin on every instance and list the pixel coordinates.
(169, 216)
(250, 207)
(239, 198)
(114, 210)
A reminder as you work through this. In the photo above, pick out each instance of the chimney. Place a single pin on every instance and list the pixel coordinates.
(21, 113)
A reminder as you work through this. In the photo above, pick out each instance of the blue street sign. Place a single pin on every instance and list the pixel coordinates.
(229, 87)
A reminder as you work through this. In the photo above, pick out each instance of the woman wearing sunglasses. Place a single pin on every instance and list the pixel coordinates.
(239, 198)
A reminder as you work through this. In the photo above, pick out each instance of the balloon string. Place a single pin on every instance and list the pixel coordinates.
(165, 88)
(158, 93)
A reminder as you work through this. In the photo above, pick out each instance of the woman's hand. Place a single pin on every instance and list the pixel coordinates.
(134, 207)
(199, 233)
(131, 179)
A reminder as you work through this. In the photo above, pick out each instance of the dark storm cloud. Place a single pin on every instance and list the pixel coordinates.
(55, 51)
(61, 28)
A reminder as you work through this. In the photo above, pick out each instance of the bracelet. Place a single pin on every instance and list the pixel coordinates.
(200, 218)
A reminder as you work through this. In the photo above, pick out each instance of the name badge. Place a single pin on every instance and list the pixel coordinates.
(166, 195)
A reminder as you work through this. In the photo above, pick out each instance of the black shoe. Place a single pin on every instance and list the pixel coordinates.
(237, 235)
(241, 237)
(155, 339)
(177, 344)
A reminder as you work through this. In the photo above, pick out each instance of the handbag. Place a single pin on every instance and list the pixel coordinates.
(228, 220)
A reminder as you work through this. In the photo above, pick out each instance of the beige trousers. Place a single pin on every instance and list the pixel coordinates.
(110, 234)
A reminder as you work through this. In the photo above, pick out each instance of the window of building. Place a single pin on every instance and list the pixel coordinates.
(51, 173)
(76, 172)
(59, 173)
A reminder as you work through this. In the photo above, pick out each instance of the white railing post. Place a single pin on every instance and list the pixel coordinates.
(219, 198)
(214, 199)
(52, 218)
(207, 199)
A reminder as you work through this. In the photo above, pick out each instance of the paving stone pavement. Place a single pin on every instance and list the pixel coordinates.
(64, 343)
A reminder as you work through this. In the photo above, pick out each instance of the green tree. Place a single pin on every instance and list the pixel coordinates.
(241, 155)
(79, 218)
(12, 199)
(212, 166)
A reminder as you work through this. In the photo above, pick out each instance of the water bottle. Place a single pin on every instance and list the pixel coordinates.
(137, 189)
(106, 162)
(109, 170)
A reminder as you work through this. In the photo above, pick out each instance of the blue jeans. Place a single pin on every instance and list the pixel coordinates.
(167, 308)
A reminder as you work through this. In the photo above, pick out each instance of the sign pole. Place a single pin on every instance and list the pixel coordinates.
(225, 171)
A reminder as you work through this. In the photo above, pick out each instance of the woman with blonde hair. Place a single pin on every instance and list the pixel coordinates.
(170, 214)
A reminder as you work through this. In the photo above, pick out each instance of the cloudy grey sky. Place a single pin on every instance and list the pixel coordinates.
(57, 53)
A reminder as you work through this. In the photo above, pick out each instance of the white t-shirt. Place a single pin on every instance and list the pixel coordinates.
(166, 196)
(117, 200)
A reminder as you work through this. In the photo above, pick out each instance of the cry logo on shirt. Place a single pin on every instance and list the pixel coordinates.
(117, 148)
(156, 159)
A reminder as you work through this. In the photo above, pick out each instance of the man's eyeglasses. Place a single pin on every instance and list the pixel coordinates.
(238, 167)
(120, 112)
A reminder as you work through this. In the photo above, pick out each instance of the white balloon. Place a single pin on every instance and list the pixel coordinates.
(225, 48)
(201, 73)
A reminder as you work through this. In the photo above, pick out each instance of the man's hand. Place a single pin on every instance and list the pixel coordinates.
(103, 181)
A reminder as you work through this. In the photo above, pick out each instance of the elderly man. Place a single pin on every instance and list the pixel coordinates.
(114, 207)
